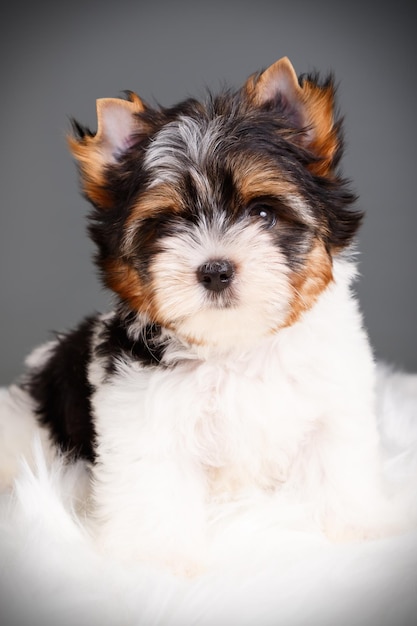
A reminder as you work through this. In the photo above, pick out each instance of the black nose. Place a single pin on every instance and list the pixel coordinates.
(216, 275)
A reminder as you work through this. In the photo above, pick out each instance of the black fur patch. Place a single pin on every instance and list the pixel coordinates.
(116, 344)
(62, 392)
(151, 229)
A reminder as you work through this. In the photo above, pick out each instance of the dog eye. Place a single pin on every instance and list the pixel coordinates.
(263, 213)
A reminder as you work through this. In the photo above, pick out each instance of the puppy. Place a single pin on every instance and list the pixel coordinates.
(234, 361)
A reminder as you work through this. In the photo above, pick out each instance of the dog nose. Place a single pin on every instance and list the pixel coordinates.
(216, 275)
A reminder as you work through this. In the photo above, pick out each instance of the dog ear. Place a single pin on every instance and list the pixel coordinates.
(308, 107)
(118, 126)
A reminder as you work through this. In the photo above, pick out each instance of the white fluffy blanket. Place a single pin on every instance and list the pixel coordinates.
(261, 572)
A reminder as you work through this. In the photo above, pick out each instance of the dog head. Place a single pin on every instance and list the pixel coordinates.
(219, 219)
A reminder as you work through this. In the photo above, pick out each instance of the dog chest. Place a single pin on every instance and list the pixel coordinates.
(241, 420)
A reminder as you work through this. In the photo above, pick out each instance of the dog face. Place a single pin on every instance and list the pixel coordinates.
(219, 220)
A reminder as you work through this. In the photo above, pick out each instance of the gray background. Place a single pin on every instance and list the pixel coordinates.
(56, 59)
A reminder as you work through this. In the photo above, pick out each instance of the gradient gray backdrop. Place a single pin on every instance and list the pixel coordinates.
(57, 58)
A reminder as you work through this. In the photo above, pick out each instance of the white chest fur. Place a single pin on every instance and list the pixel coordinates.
(242, 416)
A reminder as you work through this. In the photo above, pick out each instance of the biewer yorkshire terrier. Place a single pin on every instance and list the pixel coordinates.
(234, 361)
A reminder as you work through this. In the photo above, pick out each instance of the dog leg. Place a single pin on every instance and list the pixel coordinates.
(151, 508)
(342, 471)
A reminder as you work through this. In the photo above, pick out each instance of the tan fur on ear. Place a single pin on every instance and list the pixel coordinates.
(116, 123)
(324, 141)
(311, 105)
